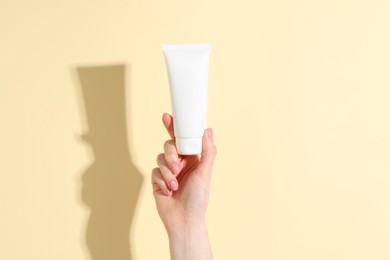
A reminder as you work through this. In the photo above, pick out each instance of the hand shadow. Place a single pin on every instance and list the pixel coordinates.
(111, 184)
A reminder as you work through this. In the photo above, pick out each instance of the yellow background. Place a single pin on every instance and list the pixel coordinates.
(298, 98)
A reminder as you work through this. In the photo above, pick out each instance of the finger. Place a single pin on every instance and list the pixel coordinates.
(168, 123)
(158, 182)
(172, 157)
(209, 151)
(166, 173)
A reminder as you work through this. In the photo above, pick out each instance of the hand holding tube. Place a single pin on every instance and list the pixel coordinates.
(187, 67)
(181, 187)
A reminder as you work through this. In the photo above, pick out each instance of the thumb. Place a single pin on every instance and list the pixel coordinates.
(209, 151)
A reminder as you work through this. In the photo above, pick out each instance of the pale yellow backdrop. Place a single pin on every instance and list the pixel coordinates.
(299, 102)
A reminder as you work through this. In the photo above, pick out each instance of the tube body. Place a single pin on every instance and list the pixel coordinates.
(187, 66)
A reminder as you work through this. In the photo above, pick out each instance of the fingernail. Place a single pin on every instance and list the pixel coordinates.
(210, 133)
(173, 185)
(175, 168)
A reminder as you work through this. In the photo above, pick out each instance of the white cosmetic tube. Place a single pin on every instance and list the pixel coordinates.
(187, 66)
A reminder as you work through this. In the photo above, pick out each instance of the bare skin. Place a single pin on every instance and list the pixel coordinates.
(181, 186)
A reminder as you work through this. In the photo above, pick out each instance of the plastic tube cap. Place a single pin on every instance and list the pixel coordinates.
(189, 146)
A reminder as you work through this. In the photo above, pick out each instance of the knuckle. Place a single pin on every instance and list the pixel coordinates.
(160, 157)
(167, 144)
(155, 172)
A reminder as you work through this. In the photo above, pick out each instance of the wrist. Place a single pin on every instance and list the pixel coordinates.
(183, 228)
(186, 229)
(190, 241)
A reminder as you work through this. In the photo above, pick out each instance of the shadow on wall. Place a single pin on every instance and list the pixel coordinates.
(111, 184)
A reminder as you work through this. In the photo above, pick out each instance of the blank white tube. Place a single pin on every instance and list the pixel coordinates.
(187, 66)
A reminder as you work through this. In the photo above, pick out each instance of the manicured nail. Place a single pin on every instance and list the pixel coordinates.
(175, 168)
(173, 185)
(210, 133)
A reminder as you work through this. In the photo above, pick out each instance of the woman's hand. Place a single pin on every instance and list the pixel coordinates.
(181, 186)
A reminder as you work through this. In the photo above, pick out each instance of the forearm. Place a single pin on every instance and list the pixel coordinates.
(190, 242)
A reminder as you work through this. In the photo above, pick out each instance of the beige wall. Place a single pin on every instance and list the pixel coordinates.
(299, 100)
